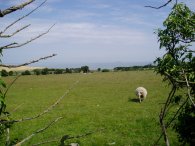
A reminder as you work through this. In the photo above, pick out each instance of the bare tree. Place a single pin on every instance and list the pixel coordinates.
(5, 121)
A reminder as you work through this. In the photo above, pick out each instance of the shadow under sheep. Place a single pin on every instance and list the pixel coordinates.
(133, 99)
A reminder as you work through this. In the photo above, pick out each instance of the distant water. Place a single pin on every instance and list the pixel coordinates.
(91, 65)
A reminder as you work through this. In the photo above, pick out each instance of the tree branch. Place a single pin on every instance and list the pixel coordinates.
(17, 31)
(188, 88)
(10, 86)
(164, 5)
(162, 116)
(22, 17)
(172, 119)
(17, 107)
(168, 101)
(38, 131)
(28, 63)
(186, 41)
(11, 44)
(7, 136)
(177, 112)
(45, 111)
(65, 137)
(176, 80)
(20, 45)
(15, 8)
(164, 128)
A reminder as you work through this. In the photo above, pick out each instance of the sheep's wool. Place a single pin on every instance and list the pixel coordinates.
(141, 92)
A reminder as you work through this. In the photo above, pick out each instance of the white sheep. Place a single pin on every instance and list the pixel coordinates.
(141, 92)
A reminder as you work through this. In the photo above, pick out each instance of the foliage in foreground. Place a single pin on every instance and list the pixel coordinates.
(177, 66)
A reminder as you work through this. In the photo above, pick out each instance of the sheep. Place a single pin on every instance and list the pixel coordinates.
(141, 93)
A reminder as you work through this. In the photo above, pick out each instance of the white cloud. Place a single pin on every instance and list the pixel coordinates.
(54, 1)
(88, 41)
(83, 33)
(86, 35)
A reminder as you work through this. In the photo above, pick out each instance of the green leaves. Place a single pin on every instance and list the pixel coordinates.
(179, 32)
(2, 83)
(177, 99)
(178, 65)
(179, 27)
(2, 98)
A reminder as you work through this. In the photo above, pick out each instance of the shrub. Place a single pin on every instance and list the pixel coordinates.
(4, 73)
(26, 72)
(11, 73)
(45, 71)
(105, 70)
(37, 71)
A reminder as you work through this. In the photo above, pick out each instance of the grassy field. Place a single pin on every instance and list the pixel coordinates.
(103, 103)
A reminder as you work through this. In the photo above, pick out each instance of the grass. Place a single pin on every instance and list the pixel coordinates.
(103, 103)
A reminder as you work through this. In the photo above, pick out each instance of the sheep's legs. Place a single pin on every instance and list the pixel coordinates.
(140, 99)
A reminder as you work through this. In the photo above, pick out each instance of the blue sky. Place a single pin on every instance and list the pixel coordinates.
(87, 32)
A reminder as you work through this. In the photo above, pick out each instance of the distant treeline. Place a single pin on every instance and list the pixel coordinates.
(45, 71)
(149, 66)
(83, 69)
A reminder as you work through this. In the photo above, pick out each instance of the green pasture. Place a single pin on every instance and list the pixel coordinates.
(102, 103)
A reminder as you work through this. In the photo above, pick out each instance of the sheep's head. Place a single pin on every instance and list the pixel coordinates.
(141, 96)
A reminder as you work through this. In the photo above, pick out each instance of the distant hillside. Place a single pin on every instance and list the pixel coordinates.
(22, 68)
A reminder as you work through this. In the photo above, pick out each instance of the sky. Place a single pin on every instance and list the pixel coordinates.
(97, 33)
